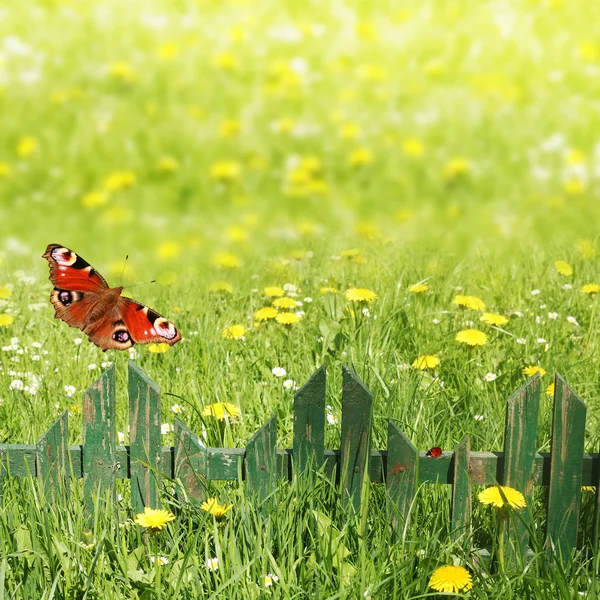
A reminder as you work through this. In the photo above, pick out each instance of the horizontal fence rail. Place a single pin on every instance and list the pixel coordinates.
(402, 468)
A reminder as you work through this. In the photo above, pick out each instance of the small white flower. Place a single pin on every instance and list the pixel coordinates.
(270, 579)
(521, 341)
(177, 409)
(133, 353)
(573, 321)
(166, 428)
(299, 303)
(14, 341)
(162, 560)
(212, 564)
(366, 312)
(540, 340)
(404, 367)
(567, 286)
(332, 418)
(290, 287)
(553, 315)
(517, 313)
(121, 438)
(300, 313)
(31, 389)
(491, 376)
(478, 417)
(37, 345)
(92, 366)
(77, 341)
(69, 390)
(308, 300)
(539, 320)
(535, 292)
(279, 371)
(542, 306)
(290, 384)
(35, 357)
(106, 364)
(436, 321)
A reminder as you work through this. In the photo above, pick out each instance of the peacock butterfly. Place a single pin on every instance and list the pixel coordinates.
(82, 298)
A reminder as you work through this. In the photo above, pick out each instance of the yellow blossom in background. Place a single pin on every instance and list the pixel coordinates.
(418, 288)
(284, 125)
(167, 164)
(470, 302)
(274, 291)
(574, 186)
(493, 319)
(5, 292)
(265, 313)
(226, 61)
(360, 295)
(27, 146)
(426, 361)
(236, 234)
(285, 303)
(590, 288)
(212, 506)
(95, 198)
(367, 230)
(307, 229)
(288, 318)
(5, 169)
(168, 250)
(563, 268)
(472, 337)
(349, 131)
(225, 170)
(589, 51)
(586, 249)
(434, 68)
(120, 180)
(229, 128)
(122, 71)
(493, 495)
(196, 112)
(413, 147)
(221, 286)
(549, 391)
(154, 519)
(531, 370)
(456, 168)
(451, 579)
(168, 51)
(158, 348)
(359, 260)
(350, 252)
(361, 157)
(221, 410)
(234, 332)
(228, 261)
(327, 290)
(6, 320)
(366, 30)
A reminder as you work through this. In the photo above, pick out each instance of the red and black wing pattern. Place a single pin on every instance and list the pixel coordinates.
(68, 271)
(145, 325)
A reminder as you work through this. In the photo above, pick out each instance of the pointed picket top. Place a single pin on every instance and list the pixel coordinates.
(564, 493)
(461, 492)
(309, 422)
(357, 417)
(52, 455)
(191, 462)
(402, 476)
(261, 460)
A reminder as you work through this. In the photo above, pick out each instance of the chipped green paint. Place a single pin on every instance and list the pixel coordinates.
(356, 437)
(520, 432)
(52, 454)
(461, 492)
(564, 494)
(309, 422)
(402, 476)
(145, 439)
(191, 465)
(99, 433)
(261, 463)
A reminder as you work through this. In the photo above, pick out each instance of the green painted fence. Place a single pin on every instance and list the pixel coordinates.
(402, 468)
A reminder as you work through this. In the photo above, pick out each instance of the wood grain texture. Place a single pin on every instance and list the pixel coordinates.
(261, 464)
(461, 492)
(52, 454)
(190, 463)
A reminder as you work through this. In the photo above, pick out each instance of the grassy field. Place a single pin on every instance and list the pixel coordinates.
(242, 152)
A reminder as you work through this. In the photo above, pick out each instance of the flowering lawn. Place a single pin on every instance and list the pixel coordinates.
(411, 189)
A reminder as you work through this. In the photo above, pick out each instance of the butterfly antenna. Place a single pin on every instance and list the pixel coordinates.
(128, 287)
(123, 271)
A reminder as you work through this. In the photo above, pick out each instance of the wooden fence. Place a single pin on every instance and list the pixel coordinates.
(99, 461)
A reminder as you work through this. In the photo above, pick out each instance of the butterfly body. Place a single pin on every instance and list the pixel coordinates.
(82, 298)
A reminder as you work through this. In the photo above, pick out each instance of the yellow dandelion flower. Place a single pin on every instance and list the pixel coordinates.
(236, 234)
(549, 391)
(590, 288)
(27, 146)
(288, 318)
(228, 261)
(274, 291)
(574, 186)
(120, 180)
(221, 286)
(327, 290)
(5, 169)
(225, 170)
(531, 370)
(493, 319)
(226, 61)
(5, 293)
(470, 302)
(493, 495)
(168, 51)
(168, 250)
(154, 519)
(451, 579)
(229, 128)
(589, 51)
(158, 348)
(413, 147)
(212, 506)
(472, 337)
(6, 320)
(563, 268)
(122, 71)
(361, 157)
(349, 131)
(588, 488)
(360, 295)
(265, 313)
(234, 332)
(426, 361)
(350, 252)
(167, 164)
(286, 303)
(95, 198)
(455, 168)
(221, 410)
(418, 288)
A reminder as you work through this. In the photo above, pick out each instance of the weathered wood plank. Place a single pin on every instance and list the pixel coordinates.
(402, 476)
(261, 463)
(53, 460)
(99, 438)
(309, 422)
(564, 494)
(144, 439)
(520, 431)
(356, 437)
(461, 493)
(191, 465)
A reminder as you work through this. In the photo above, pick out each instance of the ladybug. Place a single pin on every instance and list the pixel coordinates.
(434, 452)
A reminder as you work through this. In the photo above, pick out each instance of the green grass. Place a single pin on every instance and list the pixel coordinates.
(109, 87)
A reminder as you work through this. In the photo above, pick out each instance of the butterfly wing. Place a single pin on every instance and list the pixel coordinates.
(145, 325)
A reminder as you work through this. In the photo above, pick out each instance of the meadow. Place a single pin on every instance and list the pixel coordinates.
(410, 189)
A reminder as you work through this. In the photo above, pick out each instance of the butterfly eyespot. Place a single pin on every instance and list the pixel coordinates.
(121, 336)
(65, 298)
(165, 328)
(64, 256)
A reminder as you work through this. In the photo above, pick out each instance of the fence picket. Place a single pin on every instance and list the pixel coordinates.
(461, 491)
(520, 432)
(402, 475)
(356, 437)
(191, 461)
(52, 460)
(309, 422)
(261, 460)
(564, 497)
(99, 443)
(145, 446)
